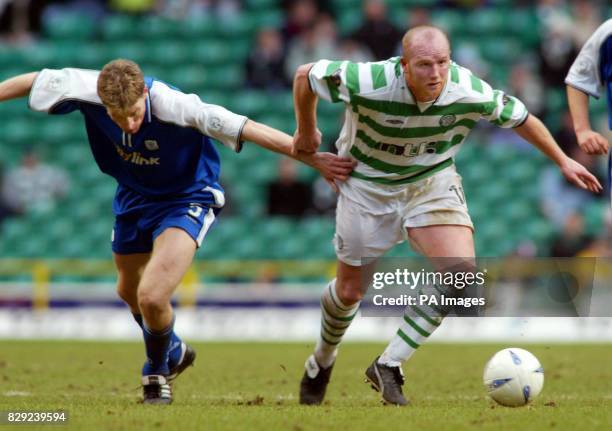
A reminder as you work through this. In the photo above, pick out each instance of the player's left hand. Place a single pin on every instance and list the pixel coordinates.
(332, 167)
(577, 174)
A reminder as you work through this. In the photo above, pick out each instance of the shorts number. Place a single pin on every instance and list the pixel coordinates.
(459, 192)
(195, 211)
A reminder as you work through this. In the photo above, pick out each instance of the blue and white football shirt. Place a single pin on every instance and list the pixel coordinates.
(170, 156)
(592, 70)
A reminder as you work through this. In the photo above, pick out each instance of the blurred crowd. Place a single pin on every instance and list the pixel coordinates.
(310, 31)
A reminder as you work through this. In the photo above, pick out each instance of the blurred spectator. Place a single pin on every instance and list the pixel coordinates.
(601, 246)
(302, 15)
(377, 32)
(560, 199)
(20, 20)
(33, 185)
(527, 87)
(565, 136)
(572, 238)
(324, 198)
(321, 5)
(315, 42)
(224, 10)
(351, 50)
(418, 16)
(5, 211)
(468, 55)
(264, 65)
(587, 18)
(557, 49)
(287, 195)
(462, 4)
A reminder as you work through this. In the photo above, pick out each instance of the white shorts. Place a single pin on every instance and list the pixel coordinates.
(368, 224)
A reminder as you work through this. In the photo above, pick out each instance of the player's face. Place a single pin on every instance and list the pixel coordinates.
(131, 118)
(426, 70)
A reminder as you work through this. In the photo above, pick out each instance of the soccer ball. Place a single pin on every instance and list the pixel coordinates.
(513, 377)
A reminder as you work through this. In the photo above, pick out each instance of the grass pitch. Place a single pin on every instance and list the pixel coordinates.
(236, 386)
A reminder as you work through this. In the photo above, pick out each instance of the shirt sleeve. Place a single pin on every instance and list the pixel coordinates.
(334, 81)
(60, 91)
(188, 110)
(506, 111)
(584, 74)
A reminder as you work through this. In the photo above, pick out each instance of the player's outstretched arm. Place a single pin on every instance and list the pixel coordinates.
(534, 131)
(590, 141)
(17, 86)
(307, 137)
(330, 166)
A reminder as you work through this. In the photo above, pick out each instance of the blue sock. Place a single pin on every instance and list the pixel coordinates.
(156, 346)
(138, 319)
(174, 350)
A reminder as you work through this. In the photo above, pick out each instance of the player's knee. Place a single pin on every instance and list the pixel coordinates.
(127, 292)
(151, 302)
(349, 292)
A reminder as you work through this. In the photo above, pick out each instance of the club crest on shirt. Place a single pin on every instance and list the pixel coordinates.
(215, 123)
(584, 66)
(54, 84)
(335, 79)
(505, 100)
(151, 145)
(447, 120)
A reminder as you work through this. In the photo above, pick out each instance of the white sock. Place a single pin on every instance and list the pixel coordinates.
(420, 321)
(335, 320)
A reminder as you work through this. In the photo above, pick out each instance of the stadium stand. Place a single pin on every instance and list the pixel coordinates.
(205, 56)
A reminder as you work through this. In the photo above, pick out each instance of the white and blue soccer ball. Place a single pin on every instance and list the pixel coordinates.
(513, 377)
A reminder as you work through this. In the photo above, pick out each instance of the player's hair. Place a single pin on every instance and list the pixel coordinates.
(120, 84)
(421, 30)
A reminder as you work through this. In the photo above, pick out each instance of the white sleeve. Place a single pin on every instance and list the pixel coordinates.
(55, 89)
(188, 110)
(584, 73)
(328, 80)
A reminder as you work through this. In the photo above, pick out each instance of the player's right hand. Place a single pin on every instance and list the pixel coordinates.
(592, 142)
(308, 142)
(577, 174)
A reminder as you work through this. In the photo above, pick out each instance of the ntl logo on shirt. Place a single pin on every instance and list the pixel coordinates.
(136, 157)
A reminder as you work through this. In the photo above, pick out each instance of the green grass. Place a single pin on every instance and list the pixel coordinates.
(254, 386)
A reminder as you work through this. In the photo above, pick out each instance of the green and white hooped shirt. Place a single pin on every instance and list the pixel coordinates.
(396, 140)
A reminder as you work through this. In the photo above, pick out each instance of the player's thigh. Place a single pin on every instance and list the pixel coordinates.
(436, 217)
(361, 236)
(130, 267)
(437, 200)
(443, 241)
(173, 251)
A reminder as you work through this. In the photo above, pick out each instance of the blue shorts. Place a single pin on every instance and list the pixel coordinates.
(135, 232)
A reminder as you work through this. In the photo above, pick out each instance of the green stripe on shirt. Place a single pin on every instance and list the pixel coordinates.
(352, 78)
(379, 79)
(397, 150)
(413, 132)
(406, 109)
(406, 180)
(476, 84)
(454, 72)
(331, 86)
